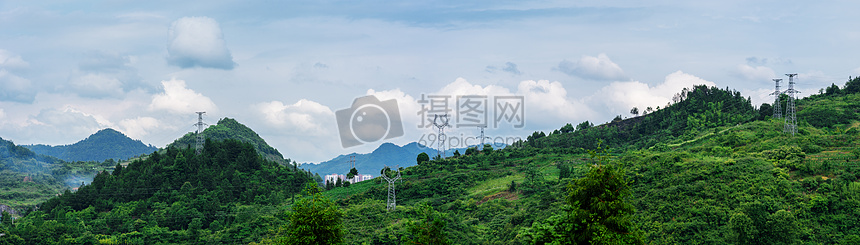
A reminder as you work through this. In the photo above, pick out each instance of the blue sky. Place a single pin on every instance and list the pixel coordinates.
(69, 68)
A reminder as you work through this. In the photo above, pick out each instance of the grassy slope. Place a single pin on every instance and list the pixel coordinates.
(686, 193)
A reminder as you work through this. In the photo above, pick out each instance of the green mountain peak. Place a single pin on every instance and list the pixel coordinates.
(229, 128)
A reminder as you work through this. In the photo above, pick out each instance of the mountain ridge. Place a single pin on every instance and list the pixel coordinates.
(387, 154)
(102, 145)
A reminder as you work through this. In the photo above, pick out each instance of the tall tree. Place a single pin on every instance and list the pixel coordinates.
(429, 229)
(598, 211)
(422, 157)
(315, 220)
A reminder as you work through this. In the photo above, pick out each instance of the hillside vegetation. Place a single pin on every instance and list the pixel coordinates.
(726, 174)
(708, 169)
(28, 179)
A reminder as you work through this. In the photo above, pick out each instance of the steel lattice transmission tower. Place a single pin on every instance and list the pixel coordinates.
(392, 203)
(352, 166)
(200, 124)
(790, 111)
(481, 147)
(441, 136)
(777, 107)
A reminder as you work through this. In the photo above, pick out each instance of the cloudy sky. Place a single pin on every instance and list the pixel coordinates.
(284, 68)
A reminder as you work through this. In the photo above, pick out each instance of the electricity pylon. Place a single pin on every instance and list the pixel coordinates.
(440, 151)
(777, 108)
(199, 146)
(790, 111)
(392, 203)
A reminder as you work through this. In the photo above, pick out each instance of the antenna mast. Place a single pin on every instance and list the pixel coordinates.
(391, 204)
(441, 136)
(790, 111)
(199, 146)
(777, 108)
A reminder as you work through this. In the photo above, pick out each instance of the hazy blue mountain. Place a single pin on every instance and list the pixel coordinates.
(104, 144)
(387, 154)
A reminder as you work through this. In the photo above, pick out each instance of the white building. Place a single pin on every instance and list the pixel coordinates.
(334, 177)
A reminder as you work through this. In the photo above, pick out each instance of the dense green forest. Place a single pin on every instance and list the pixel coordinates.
(228, 128)
(100, 146)
(710, 168)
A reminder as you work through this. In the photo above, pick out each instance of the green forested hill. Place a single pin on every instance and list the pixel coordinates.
(702, 171)
(228, 128)
(228, 194)
(708, 169)
(102, 145)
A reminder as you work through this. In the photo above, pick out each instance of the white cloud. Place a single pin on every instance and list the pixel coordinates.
(15, 88)
(138, 127)
(620, 97)
(198, 41)
(2, 113)
(303, 116)
(67, 124)
(594, 68)
(9, 60)
(407, 104)
(548, 101)
(462, 87)
(180, 100)
(758, 73)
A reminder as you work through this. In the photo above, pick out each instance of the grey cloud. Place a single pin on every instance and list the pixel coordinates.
(509, 67)
(599, 68)
(15, 88)
(198, 42)
(11, 61)
(512, 68)
(104, 74)
(758, 61)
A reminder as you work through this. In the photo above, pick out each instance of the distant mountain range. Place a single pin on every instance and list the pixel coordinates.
(228, 128)
(104, 144)
(387, 154)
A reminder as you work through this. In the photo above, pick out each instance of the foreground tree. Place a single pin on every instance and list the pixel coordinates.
(314, 220)
(597, 210)
(429, 229)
